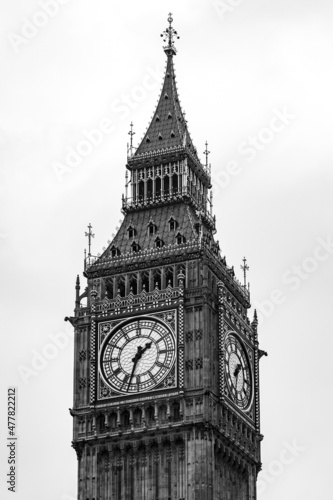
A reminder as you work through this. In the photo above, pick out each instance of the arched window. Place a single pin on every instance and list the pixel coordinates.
(162, 413)
(141, 190)
(157, 278)
(180, 239)
(113, 420)
(114, 251)
(174, 183)
(158, 187)
(149, 189)
(169, 276)
(137, 417)
(145, 281)
(176, 410)
(125, 418)
(150, 414)
(172, 224)
(109, 288)
(166, 186)
(121, 286)
(135, 246)
(131, 231)
(151, 228)
(159, 243)
(101, 423)
(133, 283)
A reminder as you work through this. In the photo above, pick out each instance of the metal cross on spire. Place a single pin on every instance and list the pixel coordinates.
(168, 37)
(206, 153)
(245, 268)
(90, 235)
(131, 133)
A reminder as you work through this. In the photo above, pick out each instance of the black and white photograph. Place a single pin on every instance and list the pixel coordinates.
(166, 242)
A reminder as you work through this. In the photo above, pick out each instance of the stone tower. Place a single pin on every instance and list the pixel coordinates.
(166, 361)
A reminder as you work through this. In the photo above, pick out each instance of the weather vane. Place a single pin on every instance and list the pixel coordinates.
(169, 34)
(206, 153)
(245, 268)
(90, 235)
(131, 133)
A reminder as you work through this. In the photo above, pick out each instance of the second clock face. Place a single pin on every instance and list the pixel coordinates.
(137, 355)
(238, 372)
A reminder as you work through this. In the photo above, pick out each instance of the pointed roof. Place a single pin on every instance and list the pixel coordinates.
(168, 127)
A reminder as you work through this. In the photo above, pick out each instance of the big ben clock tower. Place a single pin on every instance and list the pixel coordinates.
(166, 360)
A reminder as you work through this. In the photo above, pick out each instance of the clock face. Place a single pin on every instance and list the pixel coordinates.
(238, 372)
(137, 355)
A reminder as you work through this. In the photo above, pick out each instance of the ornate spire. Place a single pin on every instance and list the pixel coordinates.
(168, 129)
(168, 37)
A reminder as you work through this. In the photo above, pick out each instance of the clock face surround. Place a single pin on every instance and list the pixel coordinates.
(238, 372)
(137, 355)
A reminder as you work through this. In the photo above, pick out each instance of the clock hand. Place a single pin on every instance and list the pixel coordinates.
(135, 360)
(236, 374)
(148, 345)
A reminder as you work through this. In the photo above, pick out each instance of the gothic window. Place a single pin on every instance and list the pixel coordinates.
(176, 410)
(125, 418)
(101, 423)
(131, 231)
(149, 189)
(151, 228)
(137, 417)
(109, 288)
(173, 224)
(157, 278)
(113, 420)
(150, 414)
(174, 183)
(162, 413)
(133, 284)
(169, 276)
(141, 190)
(121, 286)
(115, 251)
(158, 187)
(135, 246)
(159, 243)
(180, 239)
(145, 281)
(166, 186)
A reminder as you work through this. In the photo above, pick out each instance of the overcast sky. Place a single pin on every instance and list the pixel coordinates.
(255, 78)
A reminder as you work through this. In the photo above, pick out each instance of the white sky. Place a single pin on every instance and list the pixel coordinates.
(233, 70)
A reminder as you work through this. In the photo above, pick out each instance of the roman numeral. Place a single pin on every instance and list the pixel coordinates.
(117, 371)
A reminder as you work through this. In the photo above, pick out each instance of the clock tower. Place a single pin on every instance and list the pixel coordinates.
(166, 360)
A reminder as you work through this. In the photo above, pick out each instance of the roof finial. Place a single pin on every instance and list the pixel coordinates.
(206, 152)
(131, 133)
(90, 235)
(245, 268)
(168, 37)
